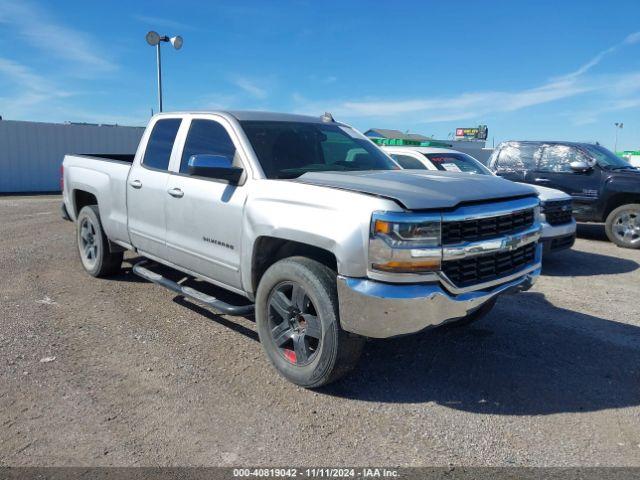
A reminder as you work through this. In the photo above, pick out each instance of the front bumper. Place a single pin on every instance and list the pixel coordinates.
(554, 231)
(558, 237)
(382, 310)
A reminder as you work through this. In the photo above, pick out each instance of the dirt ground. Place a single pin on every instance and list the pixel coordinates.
(123, 372)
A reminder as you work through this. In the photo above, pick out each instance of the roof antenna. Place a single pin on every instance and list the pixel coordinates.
(327, 118)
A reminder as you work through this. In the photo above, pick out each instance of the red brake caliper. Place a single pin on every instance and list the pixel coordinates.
(291, 355)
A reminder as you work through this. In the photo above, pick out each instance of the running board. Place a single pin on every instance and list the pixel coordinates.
(189, 292)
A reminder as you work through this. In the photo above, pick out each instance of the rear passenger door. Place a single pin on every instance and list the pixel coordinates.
(515, 160)
(147, 189)
(204, 218)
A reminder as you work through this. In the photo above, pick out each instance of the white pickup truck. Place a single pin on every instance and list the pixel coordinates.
(312, 223)
(558, 224)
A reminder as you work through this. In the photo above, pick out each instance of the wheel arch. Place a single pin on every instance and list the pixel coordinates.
(268, 250)
(618, 200)
(82, 198)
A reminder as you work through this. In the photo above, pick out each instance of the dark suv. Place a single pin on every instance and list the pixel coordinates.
(603, 186)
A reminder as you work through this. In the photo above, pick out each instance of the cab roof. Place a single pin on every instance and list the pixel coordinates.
(255, 115)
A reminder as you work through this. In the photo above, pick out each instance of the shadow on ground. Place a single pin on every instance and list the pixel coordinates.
(592, 231)
(219, 319)
(528, 357)
(549, 361)
(576, 263)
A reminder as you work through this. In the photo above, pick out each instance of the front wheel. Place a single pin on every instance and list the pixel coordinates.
(93, 245)
(623, 226)
(298, 323)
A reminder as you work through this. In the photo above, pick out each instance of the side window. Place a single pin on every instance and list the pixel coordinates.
(557, 158)
(516, 158)
(408, 162)
(158, 152)
(206, 137)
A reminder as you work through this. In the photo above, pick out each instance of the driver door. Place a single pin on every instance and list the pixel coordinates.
(204, 215)
(553, 170)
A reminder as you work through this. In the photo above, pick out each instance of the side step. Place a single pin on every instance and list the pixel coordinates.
(212, 302)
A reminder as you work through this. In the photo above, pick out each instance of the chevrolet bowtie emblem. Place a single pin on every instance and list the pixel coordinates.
(509, 243)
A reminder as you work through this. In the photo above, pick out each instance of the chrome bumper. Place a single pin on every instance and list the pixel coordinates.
(382, 310)
(552, 231)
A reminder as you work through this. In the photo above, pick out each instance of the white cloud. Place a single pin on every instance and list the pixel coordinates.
(28, 95)
(616, 91)
(448, 108)
(250, 87)
(31, 90)
(42, 32)
(630, 39)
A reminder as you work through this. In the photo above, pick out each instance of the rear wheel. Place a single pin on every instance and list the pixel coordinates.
(93, 245)
(623, 226)
(298, 323)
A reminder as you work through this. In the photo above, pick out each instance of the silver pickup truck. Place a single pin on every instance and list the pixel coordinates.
(309, 221)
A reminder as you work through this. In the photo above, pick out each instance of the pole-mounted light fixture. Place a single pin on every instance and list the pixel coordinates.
(618, 126)
(154, 39)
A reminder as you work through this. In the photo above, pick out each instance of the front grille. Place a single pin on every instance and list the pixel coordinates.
(558, 212)
(483, 228)
(484, 268)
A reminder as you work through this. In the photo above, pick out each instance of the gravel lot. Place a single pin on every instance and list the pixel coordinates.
(123, 372)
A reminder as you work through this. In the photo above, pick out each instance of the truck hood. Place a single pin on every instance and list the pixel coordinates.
(420, 190)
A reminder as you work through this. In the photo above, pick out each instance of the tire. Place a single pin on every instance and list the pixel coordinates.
(93, 245)
(473, 317)
(623, 226)
(298, 323)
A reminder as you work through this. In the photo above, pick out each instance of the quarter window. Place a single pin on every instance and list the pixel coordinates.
(516, 158)
(557, 158)
(160, 143)
(206, 137)
(408, 162)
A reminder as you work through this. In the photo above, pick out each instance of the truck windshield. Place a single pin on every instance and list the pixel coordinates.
(605, 158)
(457, 162)
(291, 149)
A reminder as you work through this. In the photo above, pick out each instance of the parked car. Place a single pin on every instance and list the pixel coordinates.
(604, 187)
(558, 224)
(310, 221)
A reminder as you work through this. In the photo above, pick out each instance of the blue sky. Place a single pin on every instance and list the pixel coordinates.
(529, 70)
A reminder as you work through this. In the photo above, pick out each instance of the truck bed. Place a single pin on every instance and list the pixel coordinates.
(114, 157)
(105, 177)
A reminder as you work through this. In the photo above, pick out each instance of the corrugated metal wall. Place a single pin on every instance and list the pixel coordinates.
(31, 152)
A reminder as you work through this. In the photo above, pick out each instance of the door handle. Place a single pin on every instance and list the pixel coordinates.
(176, 192)
(542, 180)
(135, 183)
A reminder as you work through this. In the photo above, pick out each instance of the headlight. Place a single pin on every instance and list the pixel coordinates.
(405, 242)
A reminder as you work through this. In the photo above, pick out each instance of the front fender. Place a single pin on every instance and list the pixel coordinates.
(344, 235)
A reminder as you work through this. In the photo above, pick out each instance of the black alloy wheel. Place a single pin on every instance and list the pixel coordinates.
(294, 324)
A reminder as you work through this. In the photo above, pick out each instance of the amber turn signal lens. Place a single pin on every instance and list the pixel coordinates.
(382, 227)
(409, 267)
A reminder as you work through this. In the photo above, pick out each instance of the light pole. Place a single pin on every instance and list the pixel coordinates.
(154, 39)
(618, 126)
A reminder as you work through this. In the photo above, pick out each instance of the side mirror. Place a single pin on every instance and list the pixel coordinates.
(214, 166)
(580, 167)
